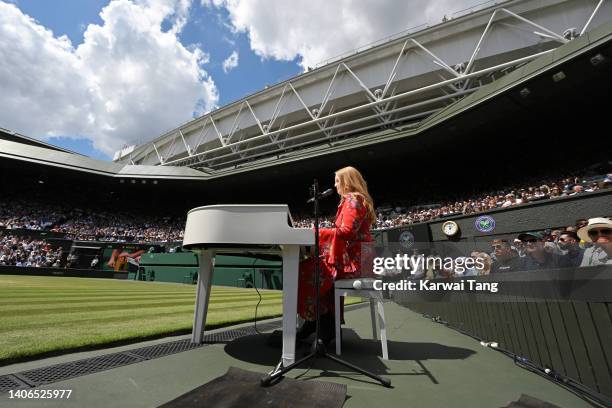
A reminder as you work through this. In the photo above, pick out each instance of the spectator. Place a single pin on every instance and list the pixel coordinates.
(510, 200)
(419, 270)
(550, 242)
(506, 258)
(536, 256)
(577, 189)
(433, 268)
(519, 247)
(599, 232)
(570, 252)
(486, 262)
(554, 235)
(540, 193)
(582, 222)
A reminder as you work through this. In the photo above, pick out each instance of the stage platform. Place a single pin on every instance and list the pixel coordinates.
(429, 365)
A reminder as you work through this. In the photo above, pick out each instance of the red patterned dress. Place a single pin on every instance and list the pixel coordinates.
(342, 254)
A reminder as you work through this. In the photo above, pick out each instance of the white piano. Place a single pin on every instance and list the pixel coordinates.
(263, 229)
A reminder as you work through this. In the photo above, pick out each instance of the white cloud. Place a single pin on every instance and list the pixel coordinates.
(128, 81)
(315, 30)
(230, 62)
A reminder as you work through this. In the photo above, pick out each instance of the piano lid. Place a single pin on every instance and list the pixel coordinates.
(242, 225)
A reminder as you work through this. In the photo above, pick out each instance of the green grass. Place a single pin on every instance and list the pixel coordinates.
(42, 316)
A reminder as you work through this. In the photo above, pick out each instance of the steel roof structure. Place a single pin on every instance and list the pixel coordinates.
(594, 46)
(402, 85)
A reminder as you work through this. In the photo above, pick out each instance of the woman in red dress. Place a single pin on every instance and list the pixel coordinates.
(343, 254)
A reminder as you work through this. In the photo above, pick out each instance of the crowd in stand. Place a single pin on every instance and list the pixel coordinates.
(510, 196)
(500, 199)
(90, 225)
(22, 214)
(120, 227)
(587, 243)
(25, 251)
(96, 225)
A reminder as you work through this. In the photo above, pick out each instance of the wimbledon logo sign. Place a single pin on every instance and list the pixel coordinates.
(406, 239)
(485, 223)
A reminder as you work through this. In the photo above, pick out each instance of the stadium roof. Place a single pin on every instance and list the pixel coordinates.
(575, 58)
(402, 80)
(62, 159)
(6, 134)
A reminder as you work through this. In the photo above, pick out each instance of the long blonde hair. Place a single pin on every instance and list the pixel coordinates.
(352, 181)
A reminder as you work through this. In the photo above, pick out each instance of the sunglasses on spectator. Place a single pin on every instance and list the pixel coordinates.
(498, 246)
(603, 232)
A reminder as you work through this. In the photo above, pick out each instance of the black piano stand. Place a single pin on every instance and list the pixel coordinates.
(318, 347)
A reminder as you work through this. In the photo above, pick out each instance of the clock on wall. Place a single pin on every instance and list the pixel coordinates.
(450, 228)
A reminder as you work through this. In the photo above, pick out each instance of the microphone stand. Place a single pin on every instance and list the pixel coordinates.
(318, 347)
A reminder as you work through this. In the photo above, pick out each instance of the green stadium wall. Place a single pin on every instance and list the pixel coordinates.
(236, 271)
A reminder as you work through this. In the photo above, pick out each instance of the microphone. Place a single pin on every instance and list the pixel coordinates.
(326, 193)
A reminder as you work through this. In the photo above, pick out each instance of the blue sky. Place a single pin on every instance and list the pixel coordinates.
(206, 26)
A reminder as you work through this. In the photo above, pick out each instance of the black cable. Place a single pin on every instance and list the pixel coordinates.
(259, 294)
(567, 383)
(297, 377)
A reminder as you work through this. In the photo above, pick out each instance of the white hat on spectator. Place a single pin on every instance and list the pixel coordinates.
(597, 222)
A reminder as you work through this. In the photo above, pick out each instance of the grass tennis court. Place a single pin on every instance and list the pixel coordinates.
(48, 315)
